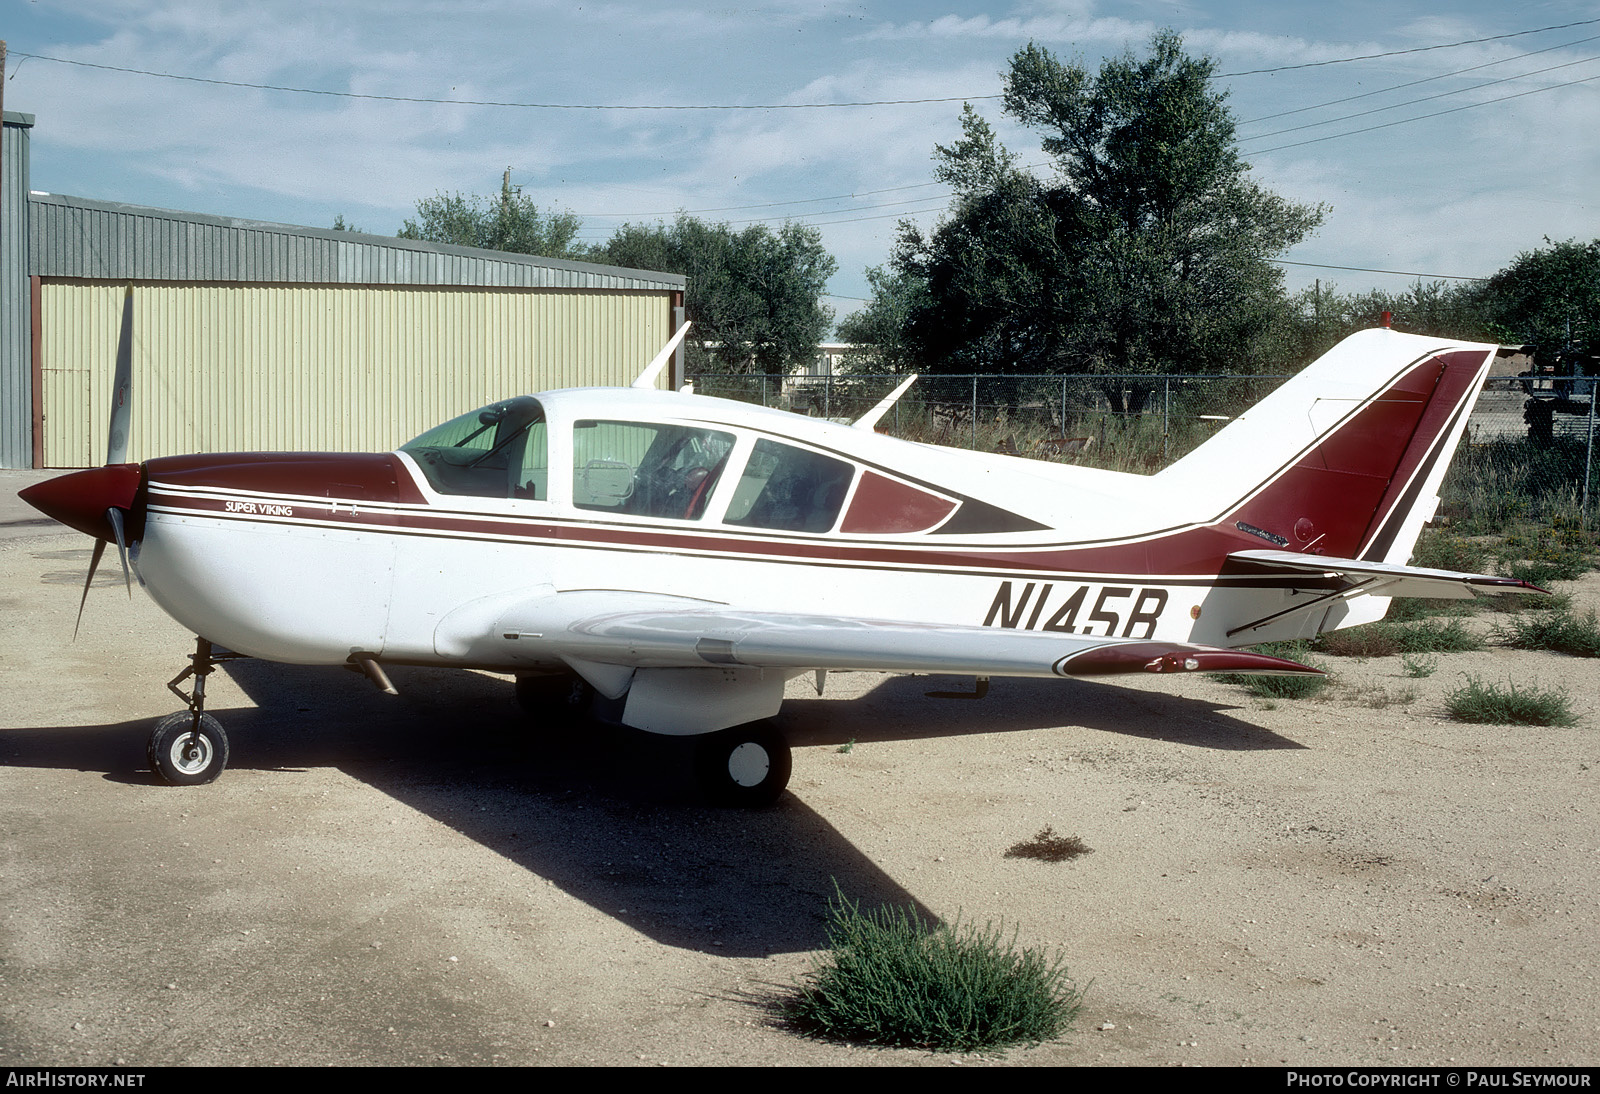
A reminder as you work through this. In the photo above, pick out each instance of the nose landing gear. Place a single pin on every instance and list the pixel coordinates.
(190, 748)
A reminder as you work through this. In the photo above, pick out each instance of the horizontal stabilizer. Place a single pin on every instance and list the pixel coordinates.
(1376, 578)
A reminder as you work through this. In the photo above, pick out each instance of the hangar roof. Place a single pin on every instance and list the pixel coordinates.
(80, 237)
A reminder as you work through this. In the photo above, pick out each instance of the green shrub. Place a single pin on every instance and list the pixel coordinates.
(1439, 550)
(1419, 666)
(1405, 609)
(1523, 602)
(1379, 698)
(889, 979)
(1279, 687)
(1490, 703)
(1385, 639)
(1560, 631)
(1542, 572)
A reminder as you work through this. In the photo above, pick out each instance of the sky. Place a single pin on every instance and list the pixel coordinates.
(636, 111)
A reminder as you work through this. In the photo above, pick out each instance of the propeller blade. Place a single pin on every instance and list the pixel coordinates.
(94, 564)
(114, 515)
(122, 387)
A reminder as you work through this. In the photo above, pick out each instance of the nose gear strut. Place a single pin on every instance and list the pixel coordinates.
(190, 747)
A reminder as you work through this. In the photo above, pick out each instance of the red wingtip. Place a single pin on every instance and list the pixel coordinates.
(80, 500)
(1176, 657)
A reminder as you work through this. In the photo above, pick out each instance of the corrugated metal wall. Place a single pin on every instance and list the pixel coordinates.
(229, 367)
(16, 367)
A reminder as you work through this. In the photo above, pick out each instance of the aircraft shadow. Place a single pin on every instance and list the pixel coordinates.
(899, 709)
(611, 815)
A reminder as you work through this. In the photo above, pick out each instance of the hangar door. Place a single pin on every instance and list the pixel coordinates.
(225, 367)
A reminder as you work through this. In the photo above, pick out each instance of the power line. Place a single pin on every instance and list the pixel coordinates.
(731, 106)
(776, 204)
(491, 102)
(1415, 83)
(1423, 99)
(1403, 52)
(1365, 269)
(1423, 117)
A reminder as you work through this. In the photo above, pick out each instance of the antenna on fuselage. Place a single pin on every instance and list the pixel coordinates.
(647, 378)
(870, 418)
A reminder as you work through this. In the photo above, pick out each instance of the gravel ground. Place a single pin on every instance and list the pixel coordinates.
(433, 879)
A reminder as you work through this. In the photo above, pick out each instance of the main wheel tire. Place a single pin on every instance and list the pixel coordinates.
(181, 758)
(745, 766)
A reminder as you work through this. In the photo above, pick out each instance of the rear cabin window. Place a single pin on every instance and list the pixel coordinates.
(497, 452)
(645, 469)
(885, 506)
(789, 489)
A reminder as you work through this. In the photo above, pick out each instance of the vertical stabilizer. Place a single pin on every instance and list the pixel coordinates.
(1355, 446)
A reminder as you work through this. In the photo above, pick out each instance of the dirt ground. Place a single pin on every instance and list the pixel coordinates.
(430, 879)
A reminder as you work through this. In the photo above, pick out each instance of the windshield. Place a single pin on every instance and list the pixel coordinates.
(499, 451)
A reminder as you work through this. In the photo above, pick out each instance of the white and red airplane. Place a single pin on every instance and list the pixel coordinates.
(684, 557)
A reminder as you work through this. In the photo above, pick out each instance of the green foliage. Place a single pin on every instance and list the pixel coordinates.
(1492, 704)
(1550, 297)
(1405, 609)
(1438, 549)
(754, 295)
(1497, 487)
(1543, 555)
(1385, 639)
(1380, 698)
(1324, 316)
(1419, 666)
(1279, 687)
(1560, 631)
(881, 324)
(510, 222)
(1148, 253)
(889, 979)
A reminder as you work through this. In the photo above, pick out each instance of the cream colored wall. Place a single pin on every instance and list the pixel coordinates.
(229, 367)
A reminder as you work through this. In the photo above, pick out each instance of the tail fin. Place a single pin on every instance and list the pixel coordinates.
(1357, 444)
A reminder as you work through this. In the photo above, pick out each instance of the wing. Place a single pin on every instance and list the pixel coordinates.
(684, 666)
(686, 634)
(1353, 576)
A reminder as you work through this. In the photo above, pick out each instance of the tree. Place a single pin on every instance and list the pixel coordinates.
(880, 326)
(512, 222)
(1323, 316)
(754, 296)
(1551, 298)
(1148, 253)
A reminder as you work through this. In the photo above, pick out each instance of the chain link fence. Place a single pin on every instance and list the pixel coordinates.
(1528, 454)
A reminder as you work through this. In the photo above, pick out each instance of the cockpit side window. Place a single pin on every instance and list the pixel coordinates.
(500, 451)
(789, 489)
(646, 469)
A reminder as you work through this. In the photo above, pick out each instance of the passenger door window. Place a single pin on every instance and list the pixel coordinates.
(646, 469)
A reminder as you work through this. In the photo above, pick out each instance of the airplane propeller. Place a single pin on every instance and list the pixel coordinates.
(101, 501)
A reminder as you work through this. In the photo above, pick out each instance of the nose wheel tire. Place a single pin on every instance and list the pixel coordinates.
(744, 766)
(182, 755)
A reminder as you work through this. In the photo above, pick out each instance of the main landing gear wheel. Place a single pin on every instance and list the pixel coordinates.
(182, 754)
(745, 766)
